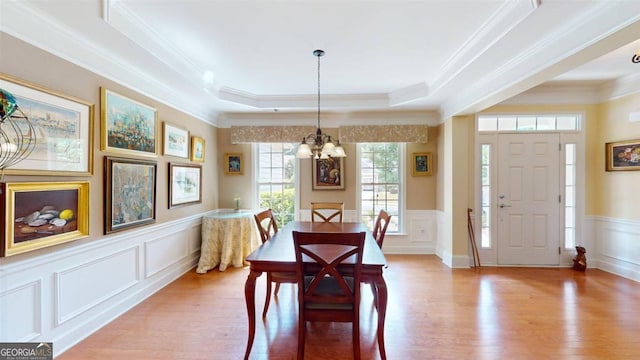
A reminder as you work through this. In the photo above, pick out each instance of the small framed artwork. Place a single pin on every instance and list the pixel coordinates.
(64, 136)
(421, 164)
(233, 164)
(623, 155)
(184, 184)
(130, 193)
(128, 127)
(197, 149)
(42, 214)
(328, 174)
(176, 141)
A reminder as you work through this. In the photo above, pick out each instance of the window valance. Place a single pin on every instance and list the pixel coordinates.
(348, 134)
(384, 133)
(269, 134)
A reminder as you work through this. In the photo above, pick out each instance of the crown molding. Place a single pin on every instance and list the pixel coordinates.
(27, 23)
(329, 120)
(607, 26)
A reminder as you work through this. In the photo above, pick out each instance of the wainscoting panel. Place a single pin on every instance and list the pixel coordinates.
(63, 294)
(420, 236)
(617, 246)
(21, 312)
(80, 288)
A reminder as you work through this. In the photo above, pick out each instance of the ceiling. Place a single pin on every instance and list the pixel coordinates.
(229, 62)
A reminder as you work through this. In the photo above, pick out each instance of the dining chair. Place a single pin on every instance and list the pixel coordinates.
(380, 228)
(324, 293)
(326, 211)
(267, 227)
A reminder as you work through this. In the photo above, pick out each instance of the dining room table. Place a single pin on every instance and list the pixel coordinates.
(278, 255)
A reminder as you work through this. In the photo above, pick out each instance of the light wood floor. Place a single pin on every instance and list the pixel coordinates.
(434, 313)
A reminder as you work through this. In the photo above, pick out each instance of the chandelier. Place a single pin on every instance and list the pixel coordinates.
(319, 145)
(17, 135)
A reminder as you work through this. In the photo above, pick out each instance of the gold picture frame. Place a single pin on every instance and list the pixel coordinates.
(197, 149)
(421, 164)
(64, 143)
(128, 127)
(623, 155)
(233, 164)
(328, 174)
(42, 214)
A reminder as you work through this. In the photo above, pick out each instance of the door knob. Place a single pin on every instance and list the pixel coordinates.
(504, 206)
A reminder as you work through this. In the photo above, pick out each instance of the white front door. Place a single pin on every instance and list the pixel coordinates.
(528, 203)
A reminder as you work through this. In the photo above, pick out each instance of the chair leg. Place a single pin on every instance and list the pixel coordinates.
(356, 340)
(301, 338)
(268, 297)
(277, 288)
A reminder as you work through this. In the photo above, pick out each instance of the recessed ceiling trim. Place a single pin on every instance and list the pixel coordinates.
(24, 21)
(303, 101)
(510, 14)
(606, 27)
(123, 19)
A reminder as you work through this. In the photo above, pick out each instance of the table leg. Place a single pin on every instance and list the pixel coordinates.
(250, 298)
(381, 289)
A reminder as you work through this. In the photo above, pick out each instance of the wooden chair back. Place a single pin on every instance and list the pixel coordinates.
(326, 211)
(380, 227)
(324, 292)
(267, 225)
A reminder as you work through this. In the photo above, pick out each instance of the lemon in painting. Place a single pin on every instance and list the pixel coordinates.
(66, 214)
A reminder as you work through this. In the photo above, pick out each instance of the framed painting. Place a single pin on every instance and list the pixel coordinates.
(128, 126)
(130, 193)
(421, 164)
(233, 164)
(328, 174)
(197, 149)
(184, 184)
(623, 155)
(175, 140)
(43, 214)
(64, 137)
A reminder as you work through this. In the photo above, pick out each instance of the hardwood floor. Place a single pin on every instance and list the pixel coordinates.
(434, 313)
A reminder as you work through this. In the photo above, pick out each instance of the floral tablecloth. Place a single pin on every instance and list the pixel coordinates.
(227, 238)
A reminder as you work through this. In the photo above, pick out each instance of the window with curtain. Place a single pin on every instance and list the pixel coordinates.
(380, 184)
(276, 169)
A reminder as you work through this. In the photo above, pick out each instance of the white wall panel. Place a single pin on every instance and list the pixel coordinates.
(21, 312)
(617, 246)
(164, 251)
(80, 288)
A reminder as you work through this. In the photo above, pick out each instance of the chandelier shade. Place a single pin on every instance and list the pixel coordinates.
(17, 135)
(319, 145)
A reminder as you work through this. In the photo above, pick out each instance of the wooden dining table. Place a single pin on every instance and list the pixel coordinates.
(278, 255)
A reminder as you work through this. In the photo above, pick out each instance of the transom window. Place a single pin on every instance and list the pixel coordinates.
(547, 122)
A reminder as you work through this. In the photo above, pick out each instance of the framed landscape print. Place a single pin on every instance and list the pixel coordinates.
(184, 184)
(64, 136)
(128, 126)
(328, 174)
(42, 214)
(233, 164)
(175, 141)
(623, 155)
(197, 149)
(130, 193)
(421, 164)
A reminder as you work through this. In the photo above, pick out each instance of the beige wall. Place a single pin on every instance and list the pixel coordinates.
(421, 190)
(617, 194)
(28, 63)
